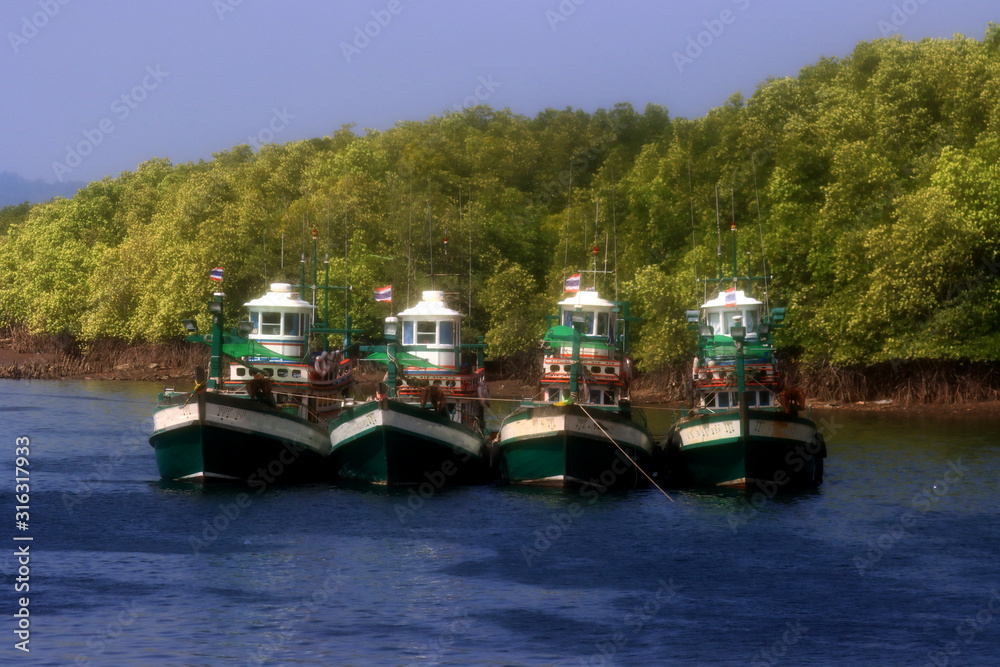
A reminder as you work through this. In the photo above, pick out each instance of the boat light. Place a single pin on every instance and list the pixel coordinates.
(190, 326)
(244, 328)
(391, 327)
(706, 331)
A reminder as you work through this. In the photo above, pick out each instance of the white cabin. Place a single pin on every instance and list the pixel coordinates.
(281, 320)
(599, 320)
(433, 324)
(721, 315)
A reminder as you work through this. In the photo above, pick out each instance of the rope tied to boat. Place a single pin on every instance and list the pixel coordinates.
(635, 463)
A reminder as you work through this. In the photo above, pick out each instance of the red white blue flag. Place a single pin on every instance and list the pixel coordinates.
(573, 283)
(731, 297)
(216, 274)
(384, 293)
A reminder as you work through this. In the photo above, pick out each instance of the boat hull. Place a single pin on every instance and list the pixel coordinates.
(392, 442)
(212, 436)
(780, 451)
(566, 446)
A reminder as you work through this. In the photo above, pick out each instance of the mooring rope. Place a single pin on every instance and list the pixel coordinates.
(635, 463)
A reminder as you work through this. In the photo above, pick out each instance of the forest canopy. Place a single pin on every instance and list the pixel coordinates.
(872, 184)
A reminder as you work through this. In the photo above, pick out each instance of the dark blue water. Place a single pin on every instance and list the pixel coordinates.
(894, 561)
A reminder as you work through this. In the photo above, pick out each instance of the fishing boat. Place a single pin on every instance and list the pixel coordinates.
(425, 424)
(265, 419)
(582, 430)
(745, 428)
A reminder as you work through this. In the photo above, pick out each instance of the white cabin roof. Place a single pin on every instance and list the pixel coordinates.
(431, 306)
(741, 300)
(281, 295)
(586, 298)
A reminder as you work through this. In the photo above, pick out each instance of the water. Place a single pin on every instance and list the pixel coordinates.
(127, 569)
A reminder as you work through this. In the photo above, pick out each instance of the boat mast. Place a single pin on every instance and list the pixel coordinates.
(760, 227)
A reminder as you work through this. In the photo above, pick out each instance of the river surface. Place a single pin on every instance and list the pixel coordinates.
(895, 560)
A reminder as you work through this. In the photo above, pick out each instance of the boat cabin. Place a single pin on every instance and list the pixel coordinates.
(722, 313)
(433, 325)
(281, 320)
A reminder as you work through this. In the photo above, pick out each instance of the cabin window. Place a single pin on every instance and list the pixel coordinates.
(764, 399)
(750, 320)
(609, 398)
(713, 321)
(609, 370)
(255, 320)
(241, 371)
(269, 372)
(296, 373)
(282, 372)
(567, 318)
(426, 333)
(602, 324)
(554, 368)
(710, 401)
(271, 324)
(292, 324)
(724, 400)
(407, 333)
(595, 396)
(588, 327)
(446, 335)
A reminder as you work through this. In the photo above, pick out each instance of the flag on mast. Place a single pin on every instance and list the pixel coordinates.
(216, 274)
(573, 283)
(731, 297)
(384, 293)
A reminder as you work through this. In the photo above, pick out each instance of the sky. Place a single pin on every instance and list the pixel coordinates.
(90, 89)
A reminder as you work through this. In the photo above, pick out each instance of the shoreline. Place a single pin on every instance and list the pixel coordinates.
(58, 366)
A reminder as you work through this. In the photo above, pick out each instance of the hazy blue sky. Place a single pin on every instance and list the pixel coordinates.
(121, 81)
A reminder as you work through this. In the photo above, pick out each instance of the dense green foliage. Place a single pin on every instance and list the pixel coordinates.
(879, 199)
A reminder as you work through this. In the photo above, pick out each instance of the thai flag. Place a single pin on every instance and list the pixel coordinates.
(731, 297)
(216, 274)
(573, 283)
(384, 293)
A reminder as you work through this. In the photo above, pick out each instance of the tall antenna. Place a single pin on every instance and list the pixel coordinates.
(614, 224)
(694, 247)
(718, 229)
(430, 239)
(569, 207)
(409, 240)
(760, 227)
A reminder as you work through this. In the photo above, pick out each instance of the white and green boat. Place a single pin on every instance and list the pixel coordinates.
(266, 418)
(426, 424)
(583, 430)
(744, 429)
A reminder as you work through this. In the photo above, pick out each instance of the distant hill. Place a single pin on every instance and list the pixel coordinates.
(14, 189)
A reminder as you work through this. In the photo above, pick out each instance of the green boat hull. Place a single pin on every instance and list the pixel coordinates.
(219, 437)
(780, 451)
(392, 442)
(565, 446)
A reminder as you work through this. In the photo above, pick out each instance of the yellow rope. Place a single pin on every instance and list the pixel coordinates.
(636, 464)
